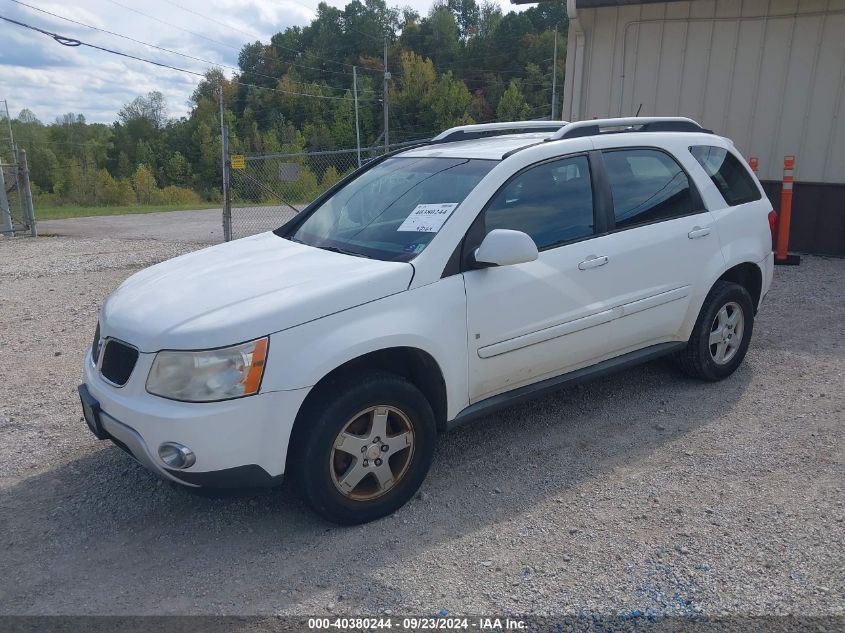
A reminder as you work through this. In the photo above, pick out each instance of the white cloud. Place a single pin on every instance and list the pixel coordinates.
(51, 79)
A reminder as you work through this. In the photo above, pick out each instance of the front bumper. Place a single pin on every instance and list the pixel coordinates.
(241, 442)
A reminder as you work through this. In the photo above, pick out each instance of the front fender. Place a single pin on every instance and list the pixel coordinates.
(431, 318)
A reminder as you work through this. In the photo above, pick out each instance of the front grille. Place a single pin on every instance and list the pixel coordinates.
(118, 362)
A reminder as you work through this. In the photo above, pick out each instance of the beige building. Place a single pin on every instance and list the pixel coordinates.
(770, 74)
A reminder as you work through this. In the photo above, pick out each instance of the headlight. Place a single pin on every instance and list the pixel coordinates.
(217, 374)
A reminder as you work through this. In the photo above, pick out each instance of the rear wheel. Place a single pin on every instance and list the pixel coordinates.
(721, 335)
(365, 453)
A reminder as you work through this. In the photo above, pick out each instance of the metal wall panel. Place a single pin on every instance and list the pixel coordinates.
(770, 74)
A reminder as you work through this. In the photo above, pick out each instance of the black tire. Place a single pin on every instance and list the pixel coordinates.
(697, 359)
(312, 452)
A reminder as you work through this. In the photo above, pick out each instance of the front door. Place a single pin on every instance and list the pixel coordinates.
(532, 321)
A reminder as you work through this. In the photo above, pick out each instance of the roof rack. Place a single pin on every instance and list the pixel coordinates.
(593, 127)
(481, 130)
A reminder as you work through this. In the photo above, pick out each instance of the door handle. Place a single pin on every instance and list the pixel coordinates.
(697, 232)
(593, 261)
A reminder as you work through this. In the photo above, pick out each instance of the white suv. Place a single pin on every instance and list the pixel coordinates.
(428, 288)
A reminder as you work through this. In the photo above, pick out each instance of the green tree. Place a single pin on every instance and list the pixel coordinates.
(441, 37)
(448, 102)
(178, 170)
(152, 108)
(144, 184)
(512, 105)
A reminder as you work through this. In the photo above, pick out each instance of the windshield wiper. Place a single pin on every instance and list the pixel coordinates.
(335, 249)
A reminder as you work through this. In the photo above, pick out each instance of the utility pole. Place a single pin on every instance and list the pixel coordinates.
(554, 80)
(224, 153)
(386, 97)
(11, 134)
(357, 130)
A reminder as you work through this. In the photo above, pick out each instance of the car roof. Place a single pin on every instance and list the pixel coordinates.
(494, 141)
(489, 148)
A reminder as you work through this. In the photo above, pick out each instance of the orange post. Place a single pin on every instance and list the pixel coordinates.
(782, 250)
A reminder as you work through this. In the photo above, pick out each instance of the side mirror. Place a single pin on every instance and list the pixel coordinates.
(504, 247)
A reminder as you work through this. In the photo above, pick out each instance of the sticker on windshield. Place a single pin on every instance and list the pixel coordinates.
(427, 218)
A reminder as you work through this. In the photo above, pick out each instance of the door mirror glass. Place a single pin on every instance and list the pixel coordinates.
(505, 247)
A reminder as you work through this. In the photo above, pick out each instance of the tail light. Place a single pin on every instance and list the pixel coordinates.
(773, 222)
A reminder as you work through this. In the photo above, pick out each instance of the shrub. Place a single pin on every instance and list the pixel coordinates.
(172, 195)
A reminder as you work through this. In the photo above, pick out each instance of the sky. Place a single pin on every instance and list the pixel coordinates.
(50, 79)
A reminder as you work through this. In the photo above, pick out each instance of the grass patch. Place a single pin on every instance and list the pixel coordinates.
(69, 211)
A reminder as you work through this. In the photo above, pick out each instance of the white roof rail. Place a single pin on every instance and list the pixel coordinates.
(474, 131)
(656, 123)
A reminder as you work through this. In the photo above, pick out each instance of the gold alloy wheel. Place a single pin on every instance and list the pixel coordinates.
(372, 453)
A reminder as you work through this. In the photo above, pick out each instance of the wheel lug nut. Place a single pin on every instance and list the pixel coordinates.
(378, 461)
(366, 462)
(377, 440)
(384, 448)
(363, 449)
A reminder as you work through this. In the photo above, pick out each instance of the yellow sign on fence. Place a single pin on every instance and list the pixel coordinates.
(238, 161)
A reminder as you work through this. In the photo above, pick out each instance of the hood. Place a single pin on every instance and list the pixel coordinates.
(242, 290)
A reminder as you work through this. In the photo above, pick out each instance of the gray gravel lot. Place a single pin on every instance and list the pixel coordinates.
(640, 491)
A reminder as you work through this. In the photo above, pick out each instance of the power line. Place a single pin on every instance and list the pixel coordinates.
(72, 42)
(210, 19)
(155, 46)
(271, 45)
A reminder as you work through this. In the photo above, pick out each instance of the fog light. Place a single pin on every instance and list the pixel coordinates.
(176, 456)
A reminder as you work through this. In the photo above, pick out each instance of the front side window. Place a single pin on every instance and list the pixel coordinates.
(392, 211)
(552, 202)
(647, 186)
(729, 175)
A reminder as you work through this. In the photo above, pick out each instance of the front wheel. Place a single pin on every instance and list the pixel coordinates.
(365, 452)
(721, 334)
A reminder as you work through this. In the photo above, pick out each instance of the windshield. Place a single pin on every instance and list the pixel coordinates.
(392, 211)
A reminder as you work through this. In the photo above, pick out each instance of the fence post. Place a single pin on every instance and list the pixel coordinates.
(227, 201)
(782, 255)
(386, 101)
(8, 228)
(26, 194)
(357, 128)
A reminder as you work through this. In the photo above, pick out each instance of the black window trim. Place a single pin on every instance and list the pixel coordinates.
(695, 194)
(743, 165)
(475, 233)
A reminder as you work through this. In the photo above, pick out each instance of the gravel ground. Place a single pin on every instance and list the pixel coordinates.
(643, 491)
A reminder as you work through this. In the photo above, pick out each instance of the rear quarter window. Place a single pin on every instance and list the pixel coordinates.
(728, 174)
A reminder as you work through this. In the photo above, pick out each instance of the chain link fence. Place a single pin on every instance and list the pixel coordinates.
(268, 190)
(15, 214)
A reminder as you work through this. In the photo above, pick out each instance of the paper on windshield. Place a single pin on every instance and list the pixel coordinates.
(428, 218)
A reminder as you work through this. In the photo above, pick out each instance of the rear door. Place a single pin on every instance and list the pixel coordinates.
(662, 243)
(740, 210)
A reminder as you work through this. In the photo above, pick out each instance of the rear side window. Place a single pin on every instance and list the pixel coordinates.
(729, 175)
(552, 202)
(647, 186)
